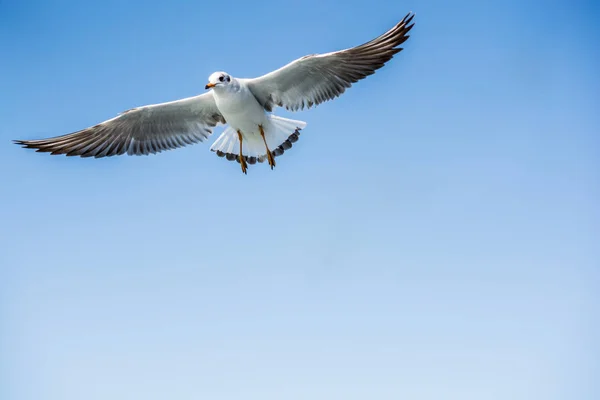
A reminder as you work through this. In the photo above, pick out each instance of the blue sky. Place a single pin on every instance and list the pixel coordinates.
(433, 234)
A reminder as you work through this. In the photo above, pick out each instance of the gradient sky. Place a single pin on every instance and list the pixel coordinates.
(433, 235)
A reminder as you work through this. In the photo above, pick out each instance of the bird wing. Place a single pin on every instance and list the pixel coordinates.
(139, 131)
(316, 78)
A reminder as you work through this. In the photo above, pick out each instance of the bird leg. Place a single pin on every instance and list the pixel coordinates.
(242, 158)
(269, 155)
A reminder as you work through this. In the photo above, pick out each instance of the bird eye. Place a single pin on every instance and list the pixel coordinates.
(221, 78)
(228, 79)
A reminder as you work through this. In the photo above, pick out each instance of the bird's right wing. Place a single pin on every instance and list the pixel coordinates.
(139, 131)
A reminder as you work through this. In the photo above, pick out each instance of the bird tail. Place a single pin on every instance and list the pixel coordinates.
(280, 133)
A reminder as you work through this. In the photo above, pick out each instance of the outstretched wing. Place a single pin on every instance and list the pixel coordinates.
(316, 78)
(139, 131)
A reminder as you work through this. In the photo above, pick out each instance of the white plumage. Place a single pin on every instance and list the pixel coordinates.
(243, 104)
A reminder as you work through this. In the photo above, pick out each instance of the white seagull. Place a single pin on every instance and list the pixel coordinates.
(245, 105)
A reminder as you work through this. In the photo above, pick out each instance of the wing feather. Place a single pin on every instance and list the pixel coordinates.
(139, 131)
(316, 78)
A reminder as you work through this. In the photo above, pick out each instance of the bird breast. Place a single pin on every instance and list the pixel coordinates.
(240, 108)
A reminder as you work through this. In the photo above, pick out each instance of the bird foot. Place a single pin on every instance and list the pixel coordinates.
(241, 158)
(243, 164)
(270, 157)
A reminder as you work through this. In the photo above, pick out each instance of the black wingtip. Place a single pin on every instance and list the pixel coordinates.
(22, 143)
(408, 19)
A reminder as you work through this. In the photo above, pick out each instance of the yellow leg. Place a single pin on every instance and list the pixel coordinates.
(242, 159)
(270, 157)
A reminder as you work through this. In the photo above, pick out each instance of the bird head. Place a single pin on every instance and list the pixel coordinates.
(218, 79)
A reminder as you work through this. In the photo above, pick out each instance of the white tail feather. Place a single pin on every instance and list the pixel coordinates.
(280, 133)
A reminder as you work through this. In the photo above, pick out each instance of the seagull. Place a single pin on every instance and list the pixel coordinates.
(253, 133)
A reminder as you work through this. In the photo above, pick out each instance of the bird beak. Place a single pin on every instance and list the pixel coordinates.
(209, 85)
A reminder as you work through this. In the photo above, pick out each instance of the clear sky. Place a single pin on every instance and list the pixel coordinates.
(433, 235)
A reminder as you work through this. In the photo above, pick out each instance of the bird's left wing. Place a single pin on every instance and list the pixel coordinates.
(316, 78)
(139, 131)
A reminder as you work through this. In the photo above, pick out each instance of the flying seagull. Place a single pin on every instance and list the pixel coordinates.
(253, 134)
